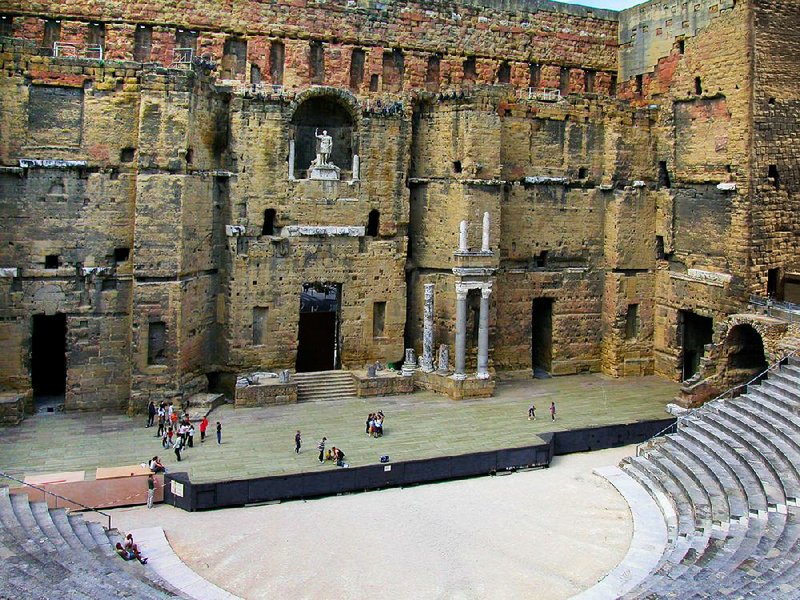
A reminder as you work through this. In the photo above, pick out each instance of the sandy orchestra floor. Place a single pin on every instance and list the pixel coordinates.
(542, 534)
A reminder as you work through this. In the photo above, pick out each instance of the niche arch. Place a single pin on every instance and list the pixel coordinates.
(324, 109)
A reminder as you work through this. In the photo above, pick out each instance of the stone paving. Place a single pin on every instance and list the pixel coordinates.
(260, 441)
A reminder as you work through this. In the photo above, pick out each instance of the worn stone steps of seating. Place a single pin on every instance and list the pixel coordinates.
(61, 521)
(657, 492)
(764, 398)
(729, 486)
(776, 395)
(783, 389)
(27, 551)
(778, 413)
(781, 572)
(16, 583)
(777, 427)
(746, 477)
(79, 527)
(684, 510)
(64, 574)
(728, 584)
(84, 562)
(788, 372)
(767, 479)
(60, 553)
(776, 451)
(698, 496)
(770, 565)
(703, 477)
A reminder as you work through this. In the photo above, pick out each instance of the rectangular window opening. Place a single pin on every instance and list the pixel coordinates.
(316, 63)
(357, 60)
(277, 54)
(378, 319)
(142, 43)
(156, 343)
(260, 315)
(632, 322)
(52, 261)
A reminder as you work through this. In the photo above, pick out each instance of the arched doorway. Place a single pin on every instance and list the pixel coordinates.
(315, 115)
(745, 350)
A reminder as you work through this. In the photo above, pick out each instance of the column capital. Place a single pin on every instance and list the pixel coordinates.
(486, 290)
(461, 291)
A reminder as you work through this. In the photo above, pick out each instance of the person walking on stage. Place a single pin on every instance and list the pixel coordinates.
(553, 411)
(219, 432)
(297, 442)
(203, 427)
(531, 412)
(321, 448)
(151, 490)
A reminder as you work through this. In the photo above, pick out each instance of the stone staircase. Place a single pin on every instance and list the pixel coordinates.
(324, 385)
(49, 553)
(727, 485)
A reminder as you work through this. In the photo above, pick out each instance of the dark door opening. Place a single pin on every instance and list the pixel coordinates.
(318, 347)
(49, 355)
(542, 336)
(696, 332)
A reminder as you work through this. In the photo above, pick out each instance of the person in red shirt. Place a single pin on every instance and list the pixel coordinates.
(203, 427)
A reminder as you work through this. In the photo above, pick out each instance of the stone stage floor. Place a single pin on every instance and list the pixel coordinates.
(260, 441)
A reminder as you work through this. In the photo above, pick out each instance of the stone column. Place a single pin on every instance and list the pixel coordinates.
(356, 168)
(427, 330)
(462, 237)
(291, 160)
(483, 333)
(461, 331)
(410, 363)
(485, 239)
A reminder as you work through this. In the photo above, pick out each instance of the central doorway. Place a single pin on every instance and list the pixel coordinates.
(49, 357)
(318, 347)
(542, 337)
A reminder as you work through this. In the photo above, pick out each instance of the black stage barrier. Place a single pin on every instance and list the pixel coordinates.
(607, 436)
(181, 492)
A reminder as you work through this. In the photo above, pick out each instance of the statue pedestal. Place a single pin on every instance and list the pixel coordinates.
(324, 172)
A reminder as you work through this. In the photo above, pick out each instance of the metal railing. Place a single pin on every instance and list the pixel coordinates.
(182, 58)
(782, 310)
(673, 428)
(67, 50)
(57, 497)
(543, 94)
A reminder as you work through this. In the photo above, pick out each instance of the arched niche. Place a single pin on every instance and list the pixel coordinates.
(745, 349)
(322, 113)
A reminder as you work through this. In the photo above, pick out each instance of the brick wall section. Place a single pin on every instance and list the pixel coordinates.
(545, 32)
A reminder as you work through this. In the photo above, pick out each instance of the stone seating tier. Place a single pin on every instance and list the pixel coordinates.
(47, 553)
(726, 484)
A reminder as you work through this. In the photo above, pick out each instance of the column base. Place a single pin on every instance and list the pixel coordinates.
(459, 376)
(426, 366)
(483, 375)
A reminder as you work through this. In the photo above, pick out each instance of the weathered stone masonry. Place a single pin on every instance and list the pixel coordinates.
(638, 170)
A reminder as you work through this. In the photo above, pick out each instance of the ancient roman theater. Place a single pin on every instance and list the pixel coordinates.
(463, 214)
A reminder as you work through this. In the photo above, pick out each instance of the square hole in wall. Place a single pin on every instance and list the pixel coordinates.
(51, 261)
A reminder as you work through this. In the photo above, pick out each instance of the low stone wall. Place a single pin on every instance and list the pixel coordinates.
(384, 384)
(471, 387)
(265, 394)
(12, 408)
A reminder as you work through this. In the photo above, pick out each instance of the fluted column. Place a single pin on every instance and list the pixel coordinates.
(427, 330)
(461, 332)
(483, 333)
